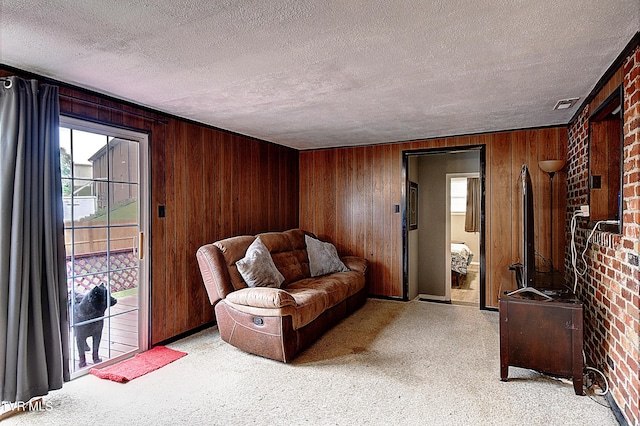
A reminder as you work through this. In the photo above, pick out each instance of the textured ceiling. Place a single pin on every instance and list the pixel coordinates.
(311, 73)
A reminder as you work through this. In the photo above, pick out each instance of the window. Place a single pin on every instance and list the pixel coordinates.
(458, 195)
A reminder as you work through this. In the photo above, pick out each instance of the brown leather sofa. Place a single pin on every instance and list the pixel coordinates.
(278, 323)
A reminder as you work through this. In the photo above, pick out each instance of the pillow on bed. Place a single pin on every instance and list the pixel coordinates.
(323, 257)
(257, 267)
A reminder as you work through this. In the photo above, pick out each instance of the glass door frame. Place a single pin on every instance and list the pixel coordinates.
(144, 194)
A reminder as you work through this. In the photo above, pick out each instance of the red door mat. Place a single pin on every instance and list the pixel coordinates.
(139, 365)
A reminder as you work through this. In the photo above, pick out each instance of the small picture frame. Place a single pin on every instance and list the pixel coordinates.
(412, 211)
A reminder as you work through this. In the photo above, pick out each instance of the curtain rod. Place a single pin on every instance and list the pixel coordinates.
(148, 117)
(7, 83)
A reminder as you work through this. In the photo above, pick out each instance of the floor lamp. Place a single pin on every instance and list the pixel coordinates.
(551, 167)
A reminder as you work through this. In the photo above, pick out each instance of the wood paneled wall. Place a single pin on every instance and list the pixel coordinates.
(347, 195)
(612, 84)
(214, 184)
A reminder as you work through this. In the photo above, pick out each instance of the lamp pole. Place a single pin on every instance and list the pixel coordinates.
(551, 167)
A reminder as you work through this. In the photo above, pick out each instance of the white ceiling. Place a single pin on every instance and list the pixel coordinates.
(312, 73)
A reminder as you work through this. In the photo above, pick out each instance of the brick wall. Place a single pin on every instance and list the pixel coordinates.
(610, 287)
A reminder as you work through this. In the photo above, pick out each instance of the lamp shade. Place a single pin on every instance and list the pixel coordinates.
(551, 166)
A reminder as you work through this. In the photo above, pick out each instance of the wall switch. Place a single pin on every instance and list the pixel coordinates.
(161, 211)
(633, 259)
(396, 208)
(596, 182)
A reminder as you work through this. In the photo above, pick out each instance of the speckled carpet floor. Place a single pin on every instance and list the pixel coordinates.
(390, 363)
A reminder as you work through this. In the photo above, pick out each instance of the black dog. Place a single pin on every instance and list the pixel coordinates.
(92, 305)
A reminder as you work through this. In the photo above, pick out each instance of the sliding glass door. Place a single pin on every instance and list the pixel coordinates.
(104, 181)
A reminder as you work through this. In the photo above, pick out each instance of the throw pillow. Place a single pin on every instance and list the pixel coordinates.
(257, 267)
(323, 257)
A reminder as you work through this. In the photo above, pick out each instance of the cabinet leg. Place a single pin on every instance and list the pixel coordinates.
(578, 385)
(504, 373)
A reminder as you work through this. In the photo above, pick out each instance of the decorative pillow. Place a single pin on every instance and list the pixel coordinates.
(323, 257)
(257, 267)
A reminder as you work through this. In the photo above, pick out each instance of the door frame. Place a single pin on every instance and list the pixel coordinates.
(144, 205)
(481, 149)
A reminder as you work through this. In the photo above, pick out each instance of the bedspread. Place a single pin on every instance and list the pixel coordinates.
(461, 256)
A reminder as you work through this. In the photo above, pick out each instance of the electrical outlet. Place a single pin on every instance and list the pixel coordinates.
(633, 259)
(584, 211)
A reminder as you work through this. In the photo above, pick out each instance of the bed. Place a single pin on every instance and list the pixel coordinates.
(461, 257)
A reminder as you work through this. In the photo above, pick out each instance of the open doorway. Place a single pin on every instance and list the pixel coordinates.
(463, 236)
(427, 240)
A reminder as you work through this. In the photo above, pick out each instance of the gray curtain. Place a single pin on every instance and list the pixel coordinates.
(34, 325)
(472, 217)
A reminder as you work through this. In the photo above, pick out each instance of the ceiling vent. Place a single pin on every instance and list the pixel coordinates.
(565, 103)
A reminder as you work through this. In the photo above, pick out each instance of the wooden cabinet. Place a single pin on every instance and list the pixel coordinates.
(542, 335)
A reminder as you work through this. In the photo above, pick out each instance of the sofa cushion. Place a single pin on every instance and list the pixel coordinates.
(355, 280)
(355, 263)
(341, 284)
(234, 249)
(323, 257)
(310, 303)
(261, 297)
(304, 300)
(332, 288)
(257, 267)
(289, 253)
